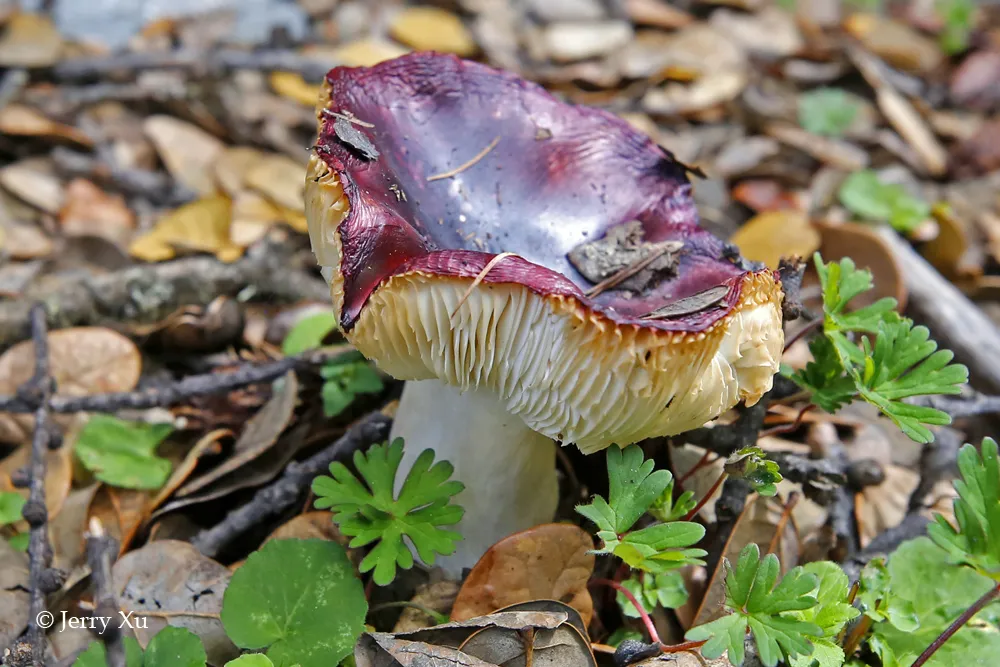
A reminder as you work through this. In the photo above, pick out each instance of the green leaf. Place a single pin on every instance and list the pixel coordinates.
(621, 634)
(123, 454)
(958, 17)
(368, 511)
(825, 378)
(11, 504)
(652, 591)
(175, 647)
(864, 194)
(976, 540)
(300, 599)
(828, 111)
(880, 603)
(665, 508)
(344, 382)
(633, 488)
(825, 654)
(832, 610)
(751, 464)
(924, 575)
(251, 660)
(309, 333)
(758, 601)
(95, 655)
(20, 541)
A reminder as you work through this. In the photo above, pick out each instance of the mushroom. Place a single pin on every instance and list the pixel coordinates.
(533, 269)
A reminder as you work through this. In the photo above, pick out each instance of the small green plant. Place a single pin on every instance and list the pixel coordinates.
(828, 111)
(866, 195)
(958, 17)
(633, 488)
(758, 602)
(369, 511)
(170, 647)
(752, 465)
(123, 454)
(653, 590)
(902, 362)
(299, 599)
(11, 504)
(343, 379)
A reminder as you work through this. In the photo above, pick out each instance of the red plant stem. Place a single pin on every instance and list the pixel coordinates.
(704, 499)
(686, 646)
(697, 466)
(857, 634)
(785, 428)
(803, 332)
(957, 625)
(643, 614)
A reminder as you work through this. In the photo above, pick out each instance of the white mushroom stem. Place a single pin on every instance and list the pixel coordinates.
(509, 470)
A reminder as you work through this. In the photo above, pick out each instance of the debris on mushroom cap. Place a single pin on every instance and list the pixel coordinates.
(480, 231)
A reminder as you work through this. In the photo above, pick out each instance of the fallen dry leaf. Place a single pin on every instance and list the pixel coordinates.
(25, 241)
(82, 360)
(231, 167)
(14, 597)
(769, 237)
(551, 561)
(23, 121)
(281, 179)
(363, 52)
(657, 13)
(567, 42)
(950, 250)
(170, 575)
(58, 477)
(199, 226)
(294, 87)
(896, 43)
(90, 211)
(253, 215)
(432, 29)
(120, 511)
(187, 151)
(33, 182)
(66, 531)
(30, 40)
(437, 596)
(869, 251)
(973, 83)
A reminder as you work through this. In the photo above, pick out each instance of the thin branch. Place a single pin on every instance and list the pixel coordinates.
(957, 625)
(41, 580)
(280, 495)
(186, 388)
(471, 163)
(101, 552)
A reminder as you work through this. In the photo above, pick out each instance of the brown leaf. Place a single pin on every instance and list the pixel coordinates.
(432, 29)
(23, 121)
(253, 215)
(281, 179)
(437, 596)
(58, 477)
(187, 151)
(361, 53)
(292, 86)
(895, 42)
(66, 530)
(763, 195)
(33, 182)
(657, 13)
(25, 241)
(172, 576)
(551, 561)
(980, 153)
(232, 165)
(973, 83)
(120, 511)
(868, 251)
(950, 251)
(90, 211)
(260, 434)
(769, 237)
(83, 361)
(30, 40)
(14, 600)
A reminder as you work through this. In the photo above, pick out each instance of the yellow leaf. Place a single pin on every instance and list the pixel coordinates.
(187, 151)
(366, 52)
(281, 179)
(252, 217)
(232, 165)
(432, 29)
(294, 87)
(769, 236)
(200, 226)
(30, 40)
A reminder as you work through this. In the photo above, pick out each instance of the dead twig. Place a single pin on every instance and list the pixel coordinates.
(102, 550)
(186, 388)
(150, 292)
(158, 188)
(214, 62)
(279, 496)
